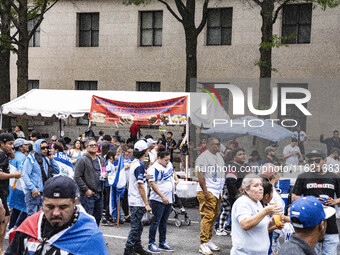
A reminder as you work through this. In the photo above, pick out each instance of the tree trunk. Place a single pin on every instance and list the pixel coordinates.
(5, 83)
(191, 58)
(22, 62)
(266, 55)
(267, 10)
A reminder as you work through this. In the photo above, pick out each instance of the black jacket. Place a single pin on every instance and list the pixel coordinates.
(85, 174)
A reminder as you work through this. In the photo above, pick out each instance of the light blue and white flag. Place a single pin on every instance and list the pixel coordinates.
(65, 164)
(118, 187)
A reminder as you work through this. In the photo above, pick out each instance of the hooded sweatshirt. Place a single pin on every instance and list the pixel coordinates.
(31, 169)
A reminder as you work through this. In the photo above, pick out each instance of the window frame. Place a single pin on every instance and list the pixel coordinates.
(82, 121)
(34, 41)
(228, 28)
(32, 84)
(152, 83)
(153, 29)
(81, 42)
(297, 23)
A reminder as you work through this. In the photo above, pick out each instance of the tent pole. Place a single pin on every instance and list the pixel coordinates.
(60, 128)
(1, 117)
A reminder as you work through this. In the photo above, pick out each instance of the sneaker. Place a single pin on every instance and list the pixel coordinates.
(221, 232)
(104, 222)
(8, 232)
(164, 247)
(153, 248)
(140, 251)
(182, 210)
(129, 251)
(212, 246)
(204, 249)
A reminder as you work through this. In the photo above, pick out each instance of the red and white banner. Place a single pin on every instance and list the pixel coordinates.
(166, 112)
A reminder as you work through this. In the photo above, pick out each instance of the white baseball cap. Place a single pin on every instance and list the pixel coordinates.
(140, 145)
(150, 141)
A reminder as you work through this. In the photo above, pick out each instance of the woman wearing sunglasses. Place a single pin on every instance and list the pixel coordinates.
(37, 168)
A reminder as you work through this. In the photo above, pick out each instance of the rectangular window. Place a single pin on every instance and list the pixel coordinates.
(35, 39)
(33, 84)
(148, 86)
(292, 112)
(88, 24)
(85, 85)
(219, 26)
(151, 26)
(296, 23)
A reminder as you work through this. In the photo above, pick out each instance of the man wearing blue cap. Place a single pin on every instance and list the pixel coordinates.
(308, 217)
(325, 185)
(62, 227)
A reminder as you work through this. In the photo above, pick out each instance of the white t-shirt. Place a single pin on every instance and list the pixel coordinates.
(254, 241)
(292, 160)
(137, 175)
(333, 165)
(287, 231)
(153, 155)
(212, 166)
(164, 178)
(302, 135)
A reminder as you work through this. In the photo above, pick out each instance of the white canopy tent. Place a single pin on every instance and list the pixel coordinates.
(76, 103)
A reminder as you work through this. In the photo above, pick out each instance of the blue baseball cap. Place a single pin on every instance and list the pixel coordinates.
(309, 211)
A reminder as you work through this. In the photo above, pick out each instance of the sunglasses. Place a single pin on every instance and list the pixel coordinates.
(218, 144)
(93, 145)
(311, 161)
(44, 148)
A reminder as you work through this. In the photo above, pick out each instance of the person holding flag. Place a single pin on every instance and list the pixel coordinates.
(62, 227)
(118, 184)
(62, 159)
(16, 197)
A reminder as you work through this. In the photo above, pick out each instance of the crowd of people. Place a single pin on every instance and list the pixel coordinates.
(109, 173)
(243, 200)
(52, 186)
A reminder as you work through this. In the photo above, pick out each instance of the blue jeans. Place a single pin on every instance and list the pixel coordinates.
(162, 213)
(329, 245)
(136, 227)
(33, 204)
(93, 205)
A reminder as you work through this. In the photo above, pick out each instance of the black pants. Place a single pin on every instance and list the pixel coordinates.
(106, 202)
(125, 202)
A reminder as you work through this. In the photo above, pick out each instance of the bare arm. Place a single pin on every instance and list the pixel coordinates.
(254, 220)
(143, 195)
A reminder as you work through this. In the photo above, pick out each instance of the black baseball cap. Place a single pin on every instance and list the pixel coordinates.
(6, 137)
(60, 187)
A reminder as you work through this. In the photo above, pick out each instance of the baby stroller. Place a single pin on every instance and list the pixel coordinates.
(179, 210)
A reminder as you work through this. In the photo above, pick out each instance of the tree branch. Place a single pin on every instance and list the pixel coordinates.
(204, 17)
(258, 2)
(171, 10)
(278, 10)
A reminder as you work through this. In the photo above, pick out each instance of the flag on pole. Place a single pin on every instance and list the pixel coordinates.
(118, 187)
